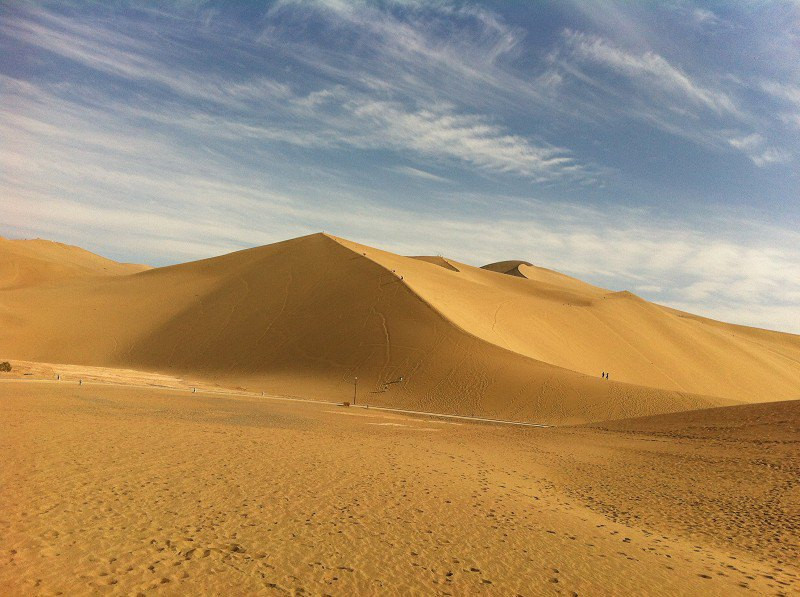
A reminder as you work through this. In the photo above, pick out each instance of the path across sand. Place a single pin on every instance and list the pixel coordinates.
(290, 398)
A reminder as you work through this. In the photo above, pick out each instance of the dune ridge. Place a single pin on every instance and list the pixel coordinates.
(510, 267)
(308, 315)
(437, 260)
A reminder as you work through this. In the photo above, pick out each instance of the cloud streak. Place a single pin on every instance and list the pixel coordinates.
(259, 107)
(649, 71)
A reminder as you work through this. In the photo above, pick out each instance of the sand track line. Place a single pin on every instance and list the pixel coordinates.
(288, 399)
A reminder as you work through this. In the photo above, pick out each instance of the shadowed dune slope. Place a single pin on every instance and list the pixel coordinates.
(305, 317)
(511, 268)
(541, 275)
(33, 262)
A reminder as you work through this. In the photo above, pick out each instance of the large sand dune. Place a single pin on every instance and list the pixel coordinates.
(307, 316)
(560, 320)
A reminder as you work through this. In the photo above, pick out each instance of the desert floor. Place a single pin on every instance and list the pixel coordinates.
(122, 490)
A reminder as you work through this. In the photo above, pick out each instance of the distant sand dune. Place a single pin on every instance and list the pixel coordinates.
(308, 315)
(32, 262)
(510, 268)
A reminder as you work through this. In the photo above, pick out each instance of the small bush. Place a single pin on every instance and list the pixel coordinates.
(5, 366)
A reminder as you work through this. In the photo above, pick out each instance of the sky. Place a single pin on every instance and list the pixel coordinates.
(646, 146)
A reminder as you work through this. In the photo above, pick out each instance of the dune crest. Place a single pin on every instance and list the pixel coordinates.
(510, 268)
(438, 260)
(308, 315)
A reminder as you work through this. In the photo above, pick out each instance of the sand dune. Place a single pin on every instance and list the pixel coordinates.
(565, 322)
(307, 316)
(511, 268)
(34, 262)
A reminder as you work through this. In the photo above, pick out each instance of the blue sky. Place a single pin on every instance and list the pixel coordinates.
(651, 146)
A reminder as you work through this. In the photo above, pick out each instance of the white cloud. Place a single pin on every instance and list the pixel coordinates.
(416, 172)
(649, 288)
(754, 146)
(789, 95)
(646, 86)
(771, 155)
(747, 143)
(787, 92)
(649, 71)
(429, 51)
(704, 17)
(440, 131)
(271, 111)
(117, 54)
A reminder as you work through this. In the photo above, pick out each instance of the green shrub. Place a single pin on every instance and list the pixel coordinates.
(5, 366)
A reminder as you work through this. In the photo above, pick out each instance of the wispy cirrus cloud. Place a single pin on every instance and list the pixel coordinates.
(417, 173)
(651, 73)
(754, 146)
(646, 86)
(440, 131)
(788, 92)
(788, 95)
(461, 45)
(264, 108)
(115, 53)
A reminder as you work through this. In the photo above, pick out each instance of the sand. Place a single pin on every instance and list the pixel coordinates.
(179, 430)
(37, 261)
(563, 321)
(121, 490)
(307, 316)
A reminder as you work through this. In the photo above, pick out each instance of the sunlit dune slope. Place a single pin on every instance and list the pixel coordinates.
(557, 319)
(437, 260)
(31, 262)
